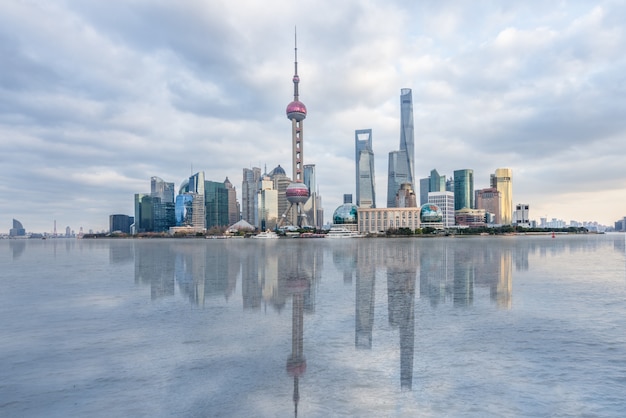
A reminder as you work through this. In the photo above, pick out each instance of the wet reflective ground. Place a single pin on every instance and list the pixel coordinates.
(512, 326)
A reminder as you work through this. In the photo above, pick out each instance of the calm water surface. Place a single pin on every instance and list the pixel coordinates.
(512, 326)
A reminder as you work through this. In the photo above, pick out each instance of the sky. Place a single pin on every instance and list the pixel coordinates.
(97, 97)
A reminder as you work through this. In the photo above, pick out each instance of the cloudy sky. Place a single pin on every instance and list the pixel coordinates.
(98, 96)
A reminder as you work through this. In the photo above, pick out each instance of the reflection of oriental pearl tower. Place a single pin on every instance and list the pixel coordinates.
(297, 192)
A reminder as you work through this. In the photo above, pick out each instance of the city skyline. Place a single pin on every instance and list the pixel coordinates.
(99, 98)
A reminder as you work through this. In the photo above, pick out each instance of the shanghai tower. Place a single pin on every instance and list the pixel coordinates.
(401, 163)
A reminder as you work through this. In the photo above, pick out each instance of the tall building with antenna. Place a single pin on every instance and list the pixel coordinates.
(402, 162)
(297, 192)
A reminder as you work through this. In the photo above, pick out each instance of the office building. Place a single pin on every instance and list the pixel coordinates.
(312, 205)
(397, 176)
(463, 189)
(267, 204)
(424, 190)
(233, 204)
(502, 181)
(162, 189)
(364, 157)
(249, 189)
(445, 201)
(521, 215)
(472, 218)
(17, 230)
(216, 204)
(489, 199)
(405, 198)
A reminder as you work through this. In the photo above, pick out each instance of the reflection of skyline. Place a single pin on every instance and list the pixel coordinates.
(450, 270)
(401, 276)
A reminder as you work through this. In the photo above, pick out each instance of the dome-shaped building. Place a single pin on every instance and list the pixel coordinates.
(346, 216)
(431, 216)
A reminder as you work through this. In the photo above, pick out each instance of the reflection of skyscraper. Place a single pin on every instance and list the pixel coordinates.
(502, 287)
(464, 274)
(364, 307)
(502, 181)
(401, 163)
(401, 276)
(365, 186)
(463, 189)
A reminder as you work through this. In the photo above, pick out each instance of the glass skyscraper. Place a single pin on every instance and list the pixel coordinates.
(398, 175)
(463, 189)
(162, 189)
(364, 157)
(502, 181)
(249, 190)
(407, 138)
(402, 162)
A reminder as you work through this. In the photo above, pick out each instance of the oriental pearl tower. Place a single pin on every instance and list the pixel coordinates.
(297, 192)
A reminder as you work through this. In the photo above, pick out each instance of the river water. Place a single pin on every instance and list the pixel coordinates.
(523, 326)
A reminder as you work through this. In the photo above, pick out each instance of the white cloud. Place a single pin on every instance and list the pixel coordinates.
(95, 98)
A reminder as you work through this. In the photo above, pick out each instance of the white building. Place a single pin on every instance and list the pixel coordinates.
(445, 202)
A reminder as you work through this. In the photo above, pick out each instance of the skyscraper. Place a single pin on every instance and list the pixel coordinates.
(364, 157)
(297, 192)
(233, 204)
(311, 208)
(407, 139)
(502, 181)
(463, 189)
(249, 189)
(162, 189)
(489, 200)
(401, 163)
(397, 176)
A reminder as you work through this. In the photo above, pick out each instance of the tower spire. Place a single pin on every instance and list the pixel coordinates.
(296, 79)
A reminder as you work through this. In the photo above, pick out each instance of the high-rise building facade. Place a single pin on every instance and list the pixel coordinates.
(489, 200)
(364, 157)
(463, 189)
(397, 176)
(502, 181)
(424, 190)
(233, 204)
(267, 204)
(216, 204)
(437, 183)
(162, 189)
(310, 207)
(17, 230)
(444, 201)
(405, 198)
(407, 139)
(249, 189)
(401, 167)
